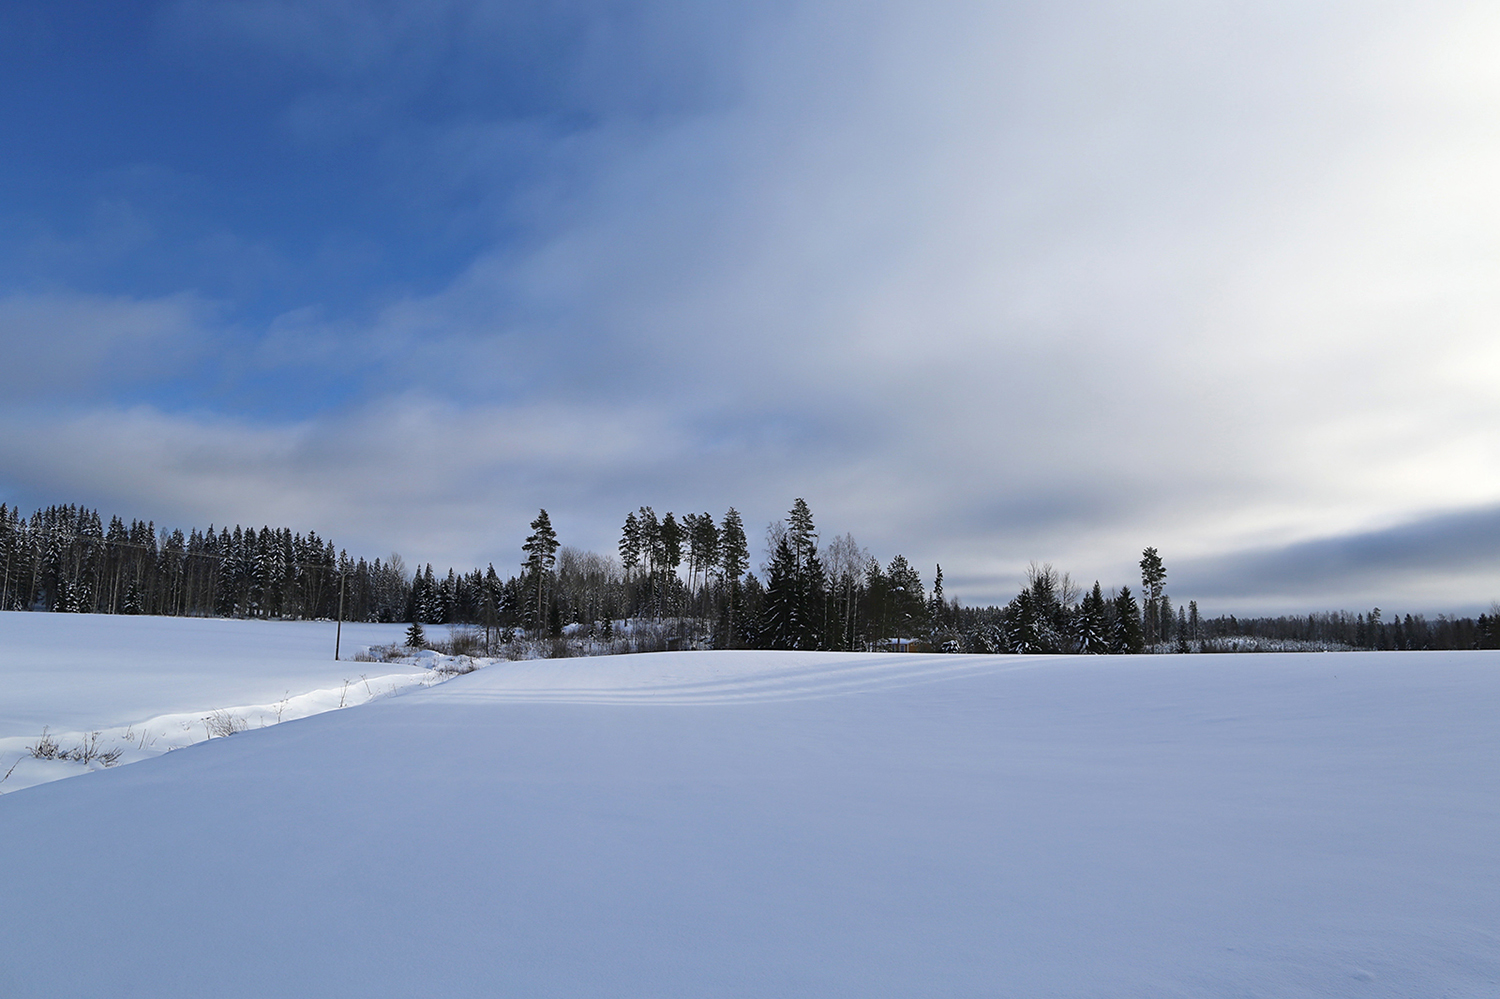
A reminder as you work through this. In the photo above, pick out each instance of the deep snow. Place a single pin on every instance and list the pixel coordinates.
(789, 824)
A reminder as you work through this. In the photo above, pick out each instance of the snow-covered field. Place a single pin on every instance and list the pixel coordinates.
(784, 824)
(147, 685)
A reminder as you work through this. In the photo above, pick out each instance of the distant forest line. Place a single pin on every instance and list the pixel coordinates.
(689, 575)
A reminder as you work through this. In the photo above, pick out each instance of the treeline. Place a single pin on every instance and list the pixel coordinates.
(1342, 630)
(690, 576)
(694, 572)
(64, 558)
(1052, 615)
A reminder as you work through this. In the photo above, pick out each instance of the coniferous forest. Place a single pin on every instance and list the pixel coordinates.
(687, 581)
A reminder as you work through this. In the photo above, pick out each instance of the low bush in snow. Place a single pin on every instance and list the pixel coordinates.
(461, 642)
(222, 724)
(88, 751)
(383, 654)
(1251, 643)
(470, 646)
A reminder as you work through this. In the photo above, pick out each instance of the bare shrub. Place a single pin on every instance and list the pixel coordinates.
(648, 639)
(383, 654)
(88, 751)
(462, 642)
(516, 647)
(222, 724)
(456, 667)
(46, 748)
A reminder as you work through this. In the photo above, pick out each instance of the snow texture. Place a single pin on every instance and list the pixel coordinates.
(796, 824)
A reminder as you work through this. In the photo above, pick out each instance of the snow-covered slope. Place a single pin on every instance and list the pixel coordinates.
(149, 684)
(785, 824)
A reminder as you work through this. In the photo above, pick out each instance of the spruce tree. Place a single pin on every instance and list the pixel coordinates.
(1034, 624)
(812, 597)
(877, 601)
(1089, 625)
(734, 550)
(780, 619)
(1127, 637)
(428, 604)
(907, 602)
(938, 610)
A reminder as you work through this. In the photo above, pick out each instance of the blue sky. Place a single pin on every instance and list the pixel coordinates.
(984, 283)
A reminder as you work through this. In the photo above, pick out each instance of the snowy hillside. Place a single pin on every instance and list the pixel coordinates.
(785, 824)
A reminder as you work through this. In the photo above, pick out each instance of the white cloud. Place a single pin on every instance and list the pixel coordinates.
(984, 283)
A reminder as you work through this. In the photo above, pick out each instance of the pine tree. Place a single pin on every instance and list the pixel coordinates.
(630, 544)
(541, 556)
(671, 544)
(703, 545)
(415, 637)
(801, 534)
(649, 529)
(734, 558)
(1153, 575)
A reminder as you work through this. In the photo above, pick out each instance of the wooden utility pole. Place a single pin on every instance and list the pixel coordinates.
(338, 634)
